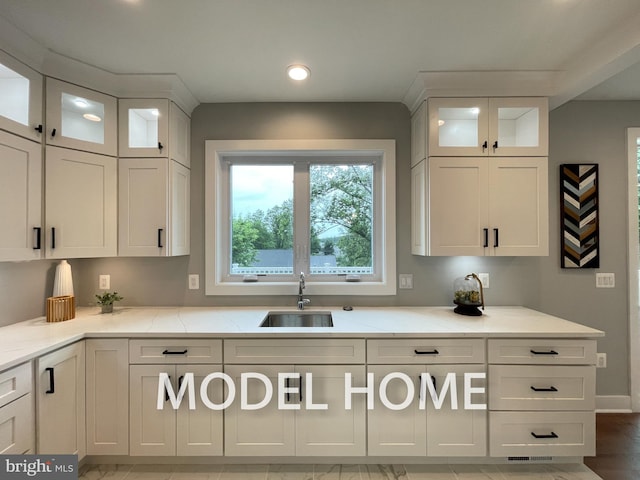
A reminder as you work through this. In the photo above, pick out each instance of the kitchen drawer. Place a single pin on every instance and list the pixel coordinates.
(295, 351)
(425, 351)
(543, 351)
(168, 351)
(15, 382)
(531, 387)
(559, 434)
(17, 426)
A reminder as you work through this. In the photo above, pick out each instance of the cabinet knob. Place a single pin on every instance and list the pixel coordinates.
(485, 145)
(38, 128)
(160, 146)
(53, 133)
(495, 145)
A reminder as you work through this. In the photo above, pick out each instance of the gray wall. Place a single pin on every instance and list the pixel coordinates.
(164, 281)
(592, 132)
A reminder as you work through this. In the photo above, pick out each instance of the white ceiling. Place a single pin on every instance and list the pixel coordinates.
(357, 50)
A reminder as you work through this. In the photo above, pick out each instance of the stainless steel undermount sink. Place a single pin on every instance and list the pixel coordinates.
(298, 319)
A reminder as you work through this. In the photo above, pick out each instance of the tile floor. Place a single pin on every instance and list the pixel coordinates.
(337, 472)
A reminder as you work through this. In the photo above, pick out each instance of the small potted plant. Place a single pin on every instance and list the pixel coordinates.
(106, 301)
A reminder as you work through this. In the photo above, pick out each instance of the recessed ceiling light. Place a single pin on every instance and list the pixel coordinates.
(298, 72)
(92, 117)
(81, 102)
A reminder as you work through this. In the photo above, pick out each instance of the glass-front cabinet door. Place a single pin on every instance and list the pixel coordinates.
(519, 126)
(144, 127)
(80, 118)
(500, 126)
(20, 98)
(458, 127)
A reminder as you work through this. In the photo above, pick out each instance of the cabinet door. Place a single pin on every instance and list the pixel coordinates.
(397, 432)
(60, 385)
(419, 209)
(80, 118)
(457, 431)
(143, 215)
(179, 235)
(17, 427)
(268, 431)
(107, 381)
(519, 127)
(151, 431)
(81, 196)
(144, 127)
(419, 135)
(335, 431)
(20, 98)
(458, 127)
(179, 136)
(199, 431)
(458, 206)
(20, 198)
(518, 206)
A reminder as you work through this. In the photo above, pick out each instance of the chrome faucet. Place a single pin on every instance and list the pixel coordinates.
(301, 300)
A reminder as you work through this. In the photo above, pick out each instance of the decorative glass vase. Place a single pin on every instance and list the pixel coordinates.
(108, 308)
(468, 295)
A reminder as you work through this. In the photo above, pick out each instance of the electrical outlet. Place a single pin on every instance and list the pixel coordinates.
(484, 279)
(104, 282)
(601, 360)
(406, 280)
(194, 281)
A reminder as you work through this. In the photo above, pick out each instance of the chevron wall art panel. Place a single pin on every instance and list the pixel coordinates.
(579, 215)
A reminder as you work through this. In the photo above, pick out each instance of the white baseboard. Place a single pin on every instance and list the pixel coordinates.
(613, 404)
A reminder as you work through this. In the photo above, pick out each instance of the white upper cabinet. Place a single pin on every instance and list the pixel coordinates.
(509, 126)
(80, 118)
(20, 98)
(154, 201)
(81, 198)
(143, 127)
(179, 136)
(153, 128)
(20, 198)
(419, 134)
(482, 207)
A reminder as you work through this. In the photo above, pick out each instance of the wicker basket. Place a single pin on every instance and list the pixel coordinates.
(61, 308)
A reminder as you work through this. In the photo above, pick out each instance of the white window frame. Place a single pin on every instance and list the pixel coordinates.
(217, 208)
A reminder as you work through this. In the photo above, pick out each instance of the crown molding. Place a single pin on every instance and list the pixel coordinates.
(47, 62)
(481, 84)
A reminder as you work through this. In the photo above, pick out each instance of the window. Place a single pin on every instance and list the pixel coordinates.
(278, 208)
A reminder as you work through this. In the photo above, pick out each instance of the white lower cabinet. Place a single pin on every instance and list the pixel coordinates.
(167, 431)
(424, 427)
(60, 387)
(297, 423)
(107, 396)
(541, 433)
(17, 423)
(542, 397)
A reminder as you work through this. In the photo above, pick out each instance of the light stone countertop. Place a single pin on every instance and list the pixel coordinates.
(26, 340)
